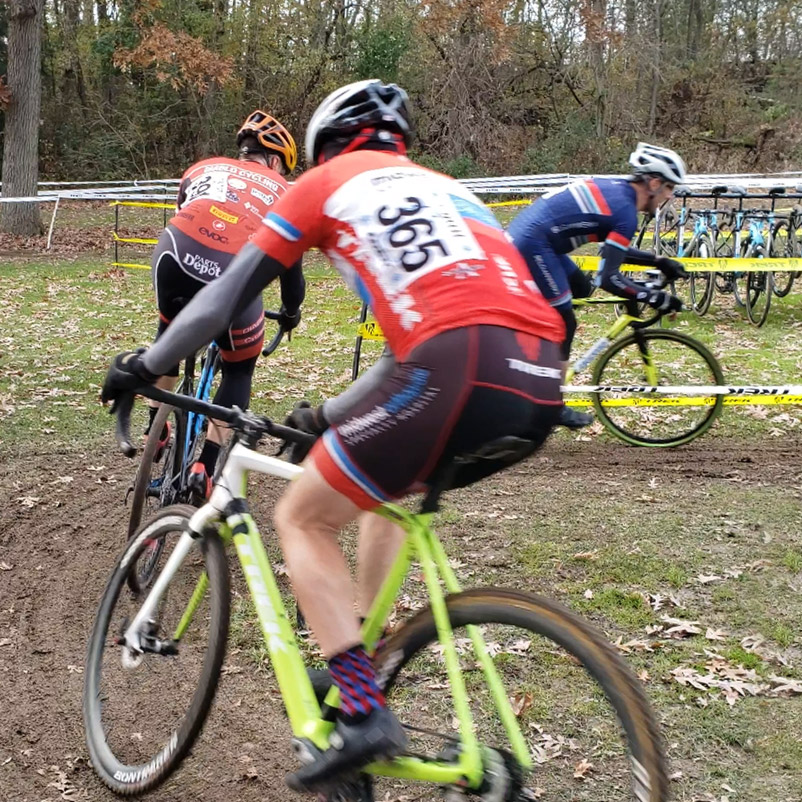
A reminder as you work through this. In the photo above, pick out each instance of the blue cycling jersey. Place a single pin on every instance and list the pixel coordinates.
(584, 211)
(600, 210)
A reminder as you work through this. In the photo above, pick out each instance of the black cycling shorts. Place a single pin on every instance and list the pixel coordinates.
(176, 282)
(456, 392)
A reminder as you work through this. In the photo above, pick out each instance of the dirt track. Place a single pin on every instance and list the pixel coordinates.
(61, 520)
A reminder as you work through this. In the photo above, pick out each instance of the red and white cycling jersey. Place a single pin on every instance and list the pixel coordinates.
(424, 252)
(221, 201)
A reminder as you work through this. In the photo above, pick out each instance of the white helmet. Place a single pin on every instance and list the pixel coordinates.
(359, 105)
(653, 160)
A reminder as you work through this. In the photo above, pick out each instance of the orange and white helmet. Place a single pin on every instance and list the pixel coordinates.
(271, 135)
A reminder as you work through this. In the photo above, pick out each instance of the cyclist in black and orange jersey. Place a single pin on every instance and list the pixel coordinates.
(476, 358)
(220, 206)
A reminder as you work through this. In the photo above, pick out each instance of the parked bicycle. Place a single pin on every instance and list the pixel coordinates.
(458, 672)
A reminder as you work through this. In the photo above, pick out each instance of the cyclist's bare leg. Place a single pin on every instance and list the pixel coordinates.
(379, 541)
(308, 518)
(217, 433)
(163, 383)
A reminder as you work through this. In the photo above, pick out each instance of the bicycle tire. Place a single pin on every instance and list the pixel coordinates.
(546, 619)
(759, 285)
(696, 371)
(702, 283)
(128, 779)
(170, 459)
(782, 246)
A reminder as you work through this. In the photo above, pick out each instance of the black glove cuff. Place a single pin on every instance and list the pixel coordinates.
(138, 367)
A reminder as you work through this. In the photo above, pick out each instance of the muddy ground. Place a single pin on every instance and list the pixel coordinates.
(61, 524)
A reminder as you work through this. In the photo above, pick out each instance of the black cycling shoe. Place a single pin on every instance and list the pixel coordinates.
(572, 419)
(380, 736)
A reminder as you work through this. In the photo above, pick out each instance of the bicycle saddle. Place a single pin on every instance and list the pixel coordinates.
(683, 192)
(798, 188)
(774, 191)
(719, 190)
(503, 449)
(737, 189)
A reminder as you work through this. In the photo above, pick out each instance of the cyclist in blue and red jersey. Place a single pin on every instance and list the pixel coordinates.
(603, 210)
(476, 359)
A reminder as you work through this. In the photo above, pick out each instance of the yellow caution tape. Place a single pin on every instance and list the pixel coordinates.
(716, 265)
(149, 204)
(137, 240)
(130, 264)
(509, 203)
(370, 330)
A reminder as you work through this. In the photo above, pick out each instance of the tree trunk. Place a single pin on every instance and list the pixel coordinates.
(72, 78)
(21, 149)
(658, 36)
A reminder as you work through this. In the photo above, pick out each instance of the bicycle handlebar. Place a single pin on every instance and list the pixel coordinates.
(279, 335)
(246, 422)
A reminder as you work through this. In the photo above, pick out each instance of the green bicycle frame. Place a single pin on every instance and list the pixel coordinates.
(299, 698)
(619, 325)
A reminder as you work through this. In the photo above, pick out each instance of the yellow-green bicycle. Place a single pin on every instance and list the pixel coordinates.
(503, 693)
(647, 385)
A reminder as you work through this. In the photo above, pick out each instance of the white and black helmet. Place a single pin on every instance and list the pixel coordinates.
(364, 104)
(649, 159)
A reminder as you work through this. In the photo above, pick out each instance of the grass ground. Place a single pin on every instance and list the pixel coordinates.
(65, 319)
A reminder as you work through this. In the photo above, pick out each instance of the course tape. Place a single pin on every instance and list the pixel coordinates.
(717, 265)
(690, 395)
(687, 389)
(130, 264)
(137, 240)
(728, 401)
(143, 203)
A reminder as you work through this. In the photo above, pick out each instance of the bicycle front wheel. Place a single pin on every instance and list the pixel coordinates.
(577, 705)
(658, 419)
(144, 705)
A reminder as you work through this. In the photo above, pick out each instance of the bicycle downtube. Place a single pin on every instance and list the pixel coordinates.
(303, 709)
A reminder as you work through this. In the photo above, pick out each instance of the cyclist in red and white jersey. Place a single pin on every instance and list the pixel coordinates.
(220, 206)
(477, 358)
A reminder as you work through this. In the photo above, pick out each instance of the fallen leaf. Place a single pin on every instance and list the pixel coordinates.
(581, 769)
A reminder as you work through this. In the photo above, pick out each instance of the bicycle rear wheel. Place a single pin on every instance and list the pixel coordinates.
(660, 419)
(759, 289)
(702, 284)
(783, 246)
(158, 475)
(575, 700)
(143, 709)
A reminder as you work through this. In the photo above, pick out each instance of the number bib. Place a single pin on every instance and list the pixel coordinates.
(407, 223)
(211, 186)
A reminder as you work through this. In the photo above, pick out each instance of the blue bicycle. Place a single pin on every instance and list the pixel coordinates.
(162, 477)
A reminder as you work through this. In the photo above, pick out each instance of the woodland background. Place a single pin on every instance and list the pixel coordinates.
(141, 89)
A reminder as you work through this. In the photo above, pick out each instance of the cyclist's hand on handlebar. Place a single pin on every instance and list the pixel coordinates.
(670, 268)
(664, 302)
(126, 373)
(287, 321)
(305, 418)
